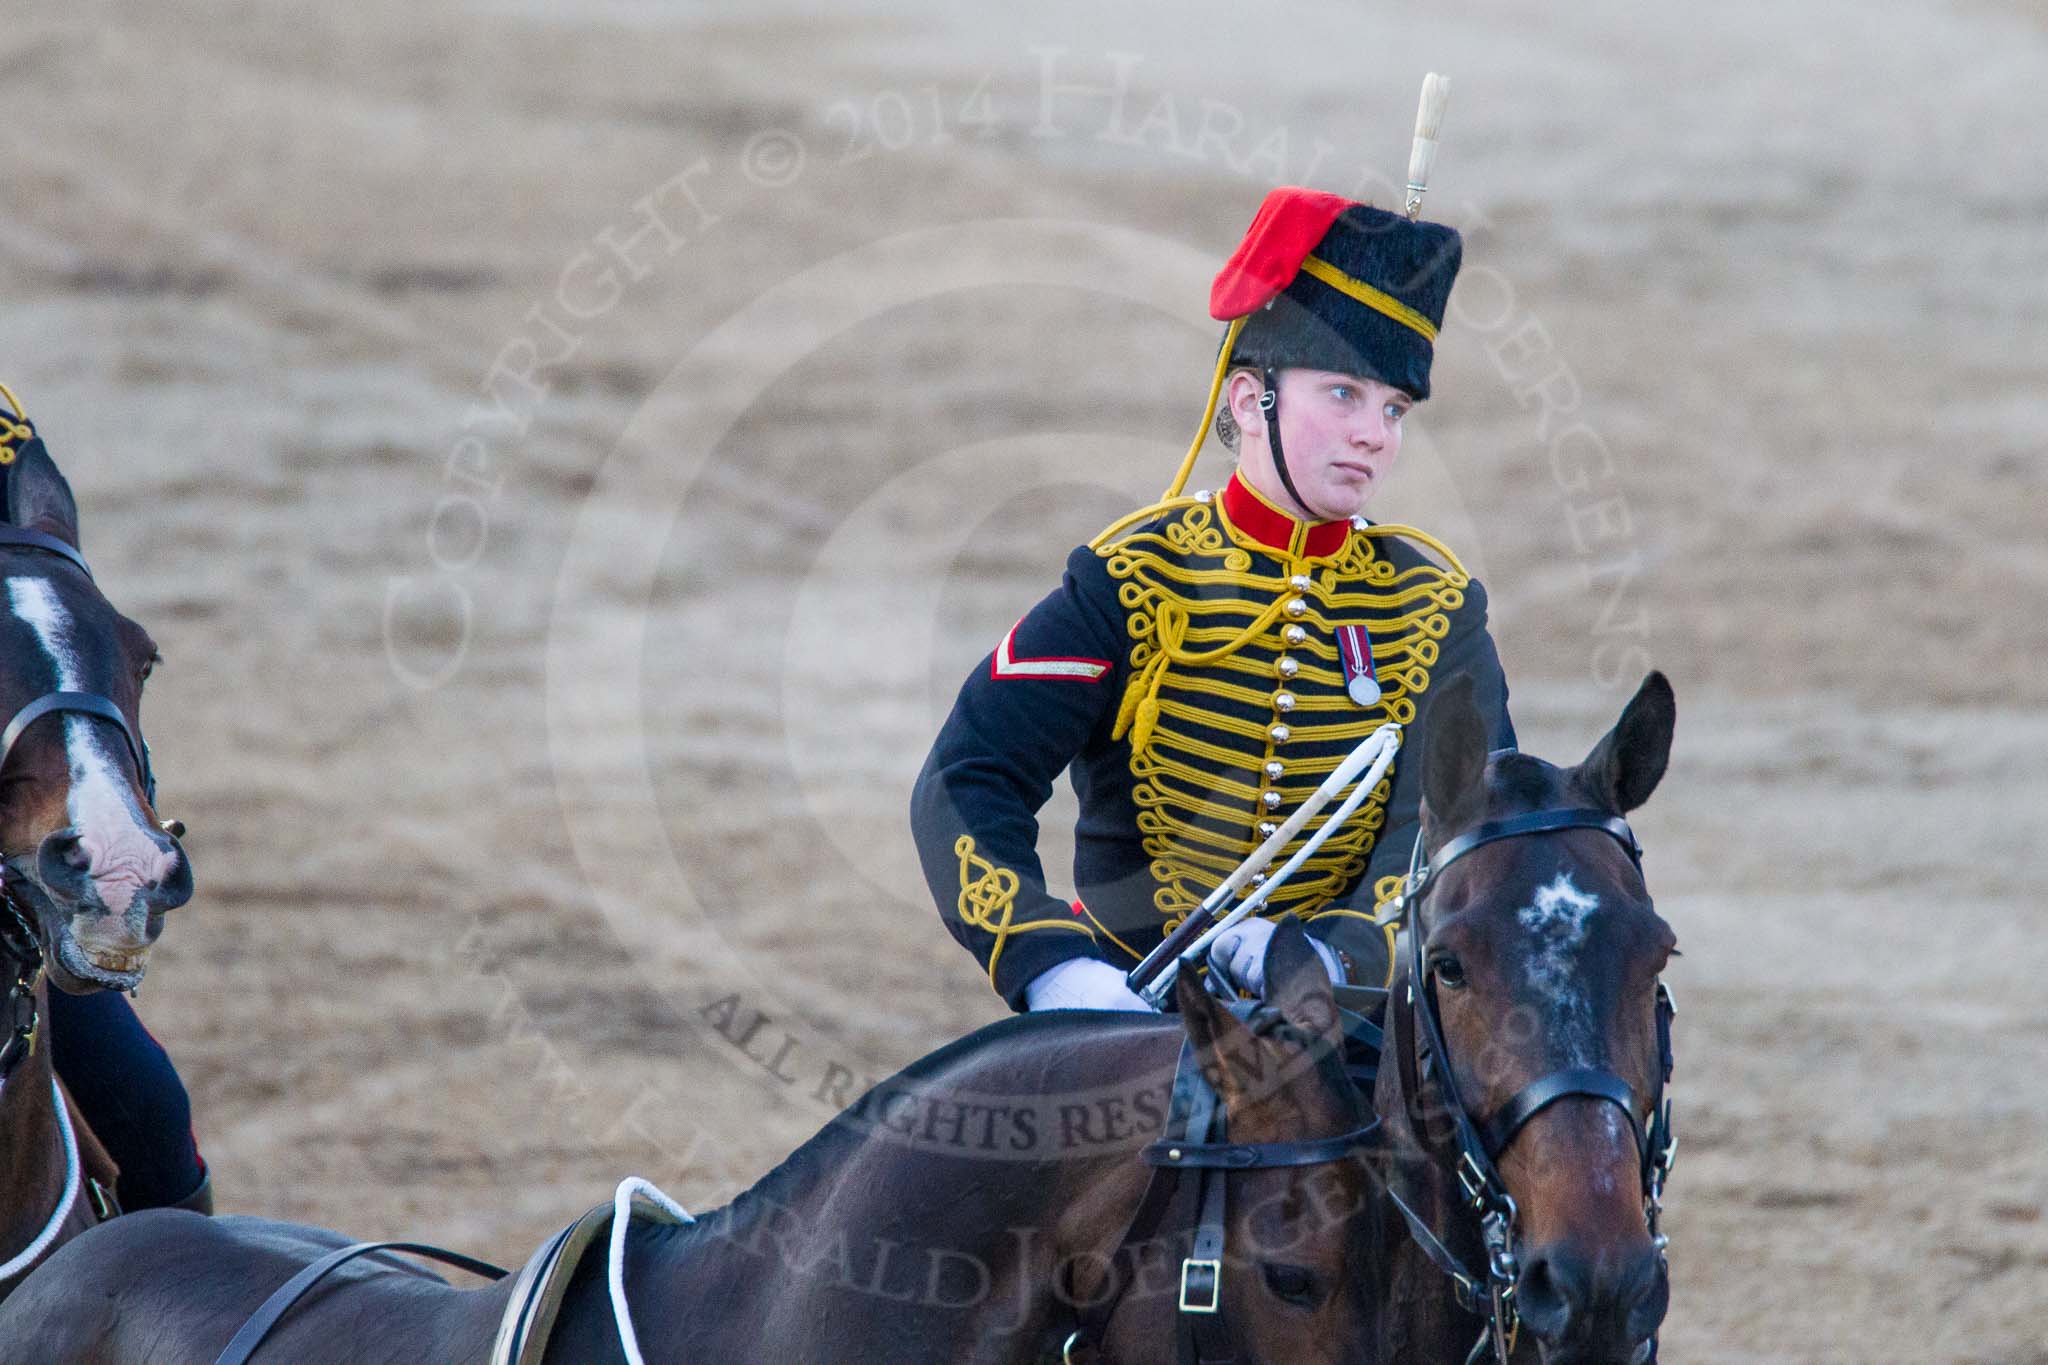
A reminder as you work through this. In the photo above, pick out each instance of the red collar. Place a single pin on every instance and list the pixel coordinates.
(1251, 513)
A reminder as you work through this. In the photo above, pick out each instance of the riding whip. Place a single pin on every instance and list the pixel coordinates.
(1153, 977)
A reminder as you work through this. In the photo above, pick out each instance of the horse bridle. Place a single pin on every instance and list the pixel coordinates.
(1477, 1145)
(1196, 1140)
(19, 1017)
(77, 703)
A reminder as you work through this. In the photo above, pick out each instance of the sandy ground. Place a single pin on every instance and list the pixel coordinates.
(558, 606)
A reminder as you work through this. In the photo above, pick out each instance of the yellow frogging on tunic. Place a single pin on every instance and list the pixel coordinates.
(988, 898)
(1208, 609)
(14, 427)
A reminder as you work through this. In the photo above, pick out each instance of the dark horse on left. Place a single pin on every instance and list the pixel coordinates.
(88, 872)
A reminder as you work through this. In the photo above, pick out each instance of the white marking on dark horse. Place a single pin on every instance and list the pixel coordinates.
(113, 831)
(1559, 918)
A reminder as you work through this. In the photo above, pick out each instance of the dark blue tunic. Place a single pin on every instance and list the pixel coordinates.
(1187, 672)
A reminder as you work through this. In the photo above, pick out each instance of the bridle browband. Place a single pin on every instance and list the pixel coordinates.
(75, 703)
(1473, 1147)
(1196, 1140)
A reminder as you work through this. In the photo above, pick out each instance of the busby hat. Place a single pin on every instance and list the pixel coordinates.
(1323, 282)
(1328, 284)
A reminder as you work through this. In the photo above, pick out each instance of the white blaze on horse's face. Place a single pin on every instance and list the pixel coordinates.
(114, 833)
(1559, 918)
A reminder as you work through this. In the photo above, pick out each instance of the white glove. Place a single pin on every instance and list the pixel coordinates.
(1082, 983)
(1239, 956)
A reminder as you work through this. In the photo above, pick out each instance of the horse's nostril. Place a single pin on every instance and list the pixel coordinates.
(1541, 1299)
(63, 864)
(174, 888)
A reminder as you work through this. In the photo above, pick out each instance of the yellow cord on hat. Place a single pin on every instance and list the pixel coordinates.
(1187, 466)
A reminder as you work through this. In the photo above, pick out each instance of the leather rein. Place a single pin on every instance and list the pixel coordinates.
(1196, 1141)
(1474, 1146)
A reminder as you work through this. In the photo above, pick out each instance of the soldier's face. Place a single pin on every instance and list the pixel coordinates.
(1341, 434)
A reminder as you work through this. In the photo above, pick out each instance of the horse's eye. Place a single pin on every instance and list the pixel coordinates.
(1450, 973)
(1296, 1284)
(149, 666)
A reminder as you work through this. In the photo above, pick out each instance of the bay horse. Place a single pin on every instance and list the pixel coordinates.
(1008, 1200)
(86, 872)
(1012, 1198)
(1528, 1048)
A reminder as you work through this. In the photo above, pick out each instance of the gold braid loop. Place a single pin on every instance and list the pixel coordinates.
(1139, 712)
(988, 900)
(14, 427)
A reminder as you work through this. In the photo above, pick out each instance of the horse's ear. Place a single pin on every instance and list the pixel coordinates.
(1298, 985)
(1224, 1048)
(1453, 751)
(38, 497)
(1626, 765)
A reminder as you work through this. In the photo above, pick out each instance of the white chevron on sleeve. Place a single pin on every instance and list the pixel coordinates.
(1008, 666)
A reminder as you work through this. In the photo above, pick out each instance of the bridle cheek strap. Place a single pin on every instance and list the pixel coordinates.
(76, 703)
(1472, 1148)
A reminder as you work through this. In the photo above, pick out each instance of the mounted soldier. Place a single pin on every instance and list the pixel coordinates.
(1208, 660)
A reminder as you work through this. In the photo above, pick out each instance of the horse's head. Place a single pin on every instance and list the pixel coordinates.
(1542, 951)
(84, 853)
(1293, 1271)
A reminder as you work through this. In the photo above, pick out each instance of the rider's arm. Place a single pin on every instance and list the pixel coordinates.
(1469, 649)
(1021, 717)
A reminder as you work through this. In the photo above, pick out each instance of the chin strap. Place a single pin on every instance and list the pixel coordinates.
(1269, 403)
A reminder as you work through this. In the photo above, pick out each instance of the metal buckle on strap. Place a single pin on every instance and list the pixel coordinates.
(1189, 1270)
(1473, 1179)
(104, 1205)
